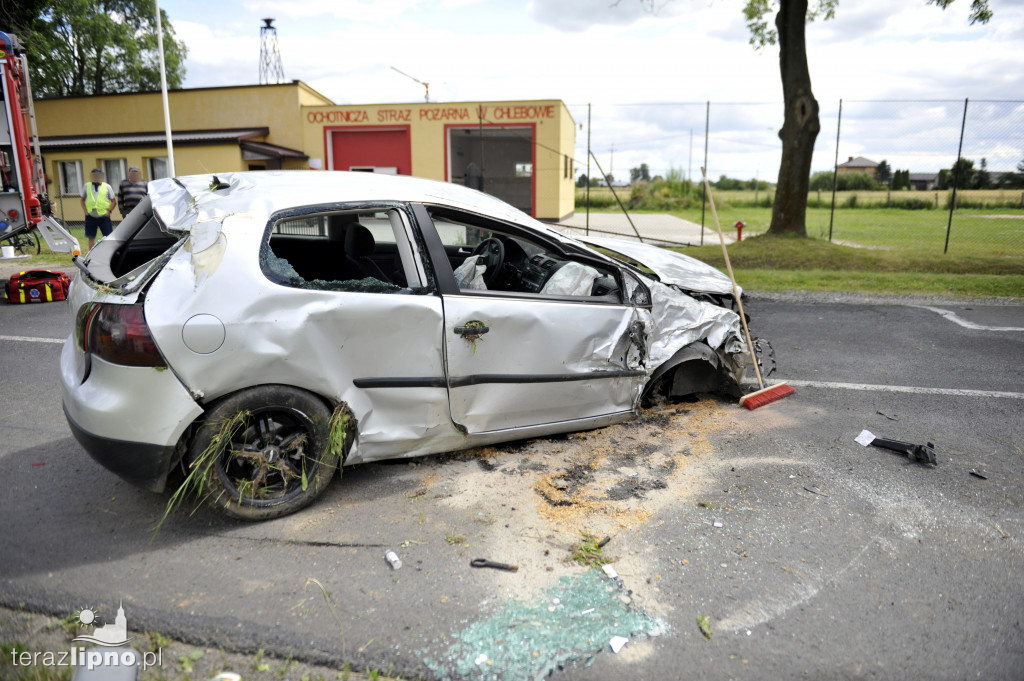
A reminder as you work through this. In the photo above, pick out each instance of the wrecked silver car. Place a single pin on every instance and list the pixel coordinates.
(268, 328)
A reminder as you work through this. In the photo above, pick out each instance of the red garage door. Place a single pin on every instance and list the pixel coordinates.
(366, 149)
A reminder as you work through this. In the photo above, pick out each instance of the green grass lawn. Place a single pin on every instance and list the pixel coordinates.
(48, 257)
(919, 232)
(886, 283)
(764, 263)
(992, 232)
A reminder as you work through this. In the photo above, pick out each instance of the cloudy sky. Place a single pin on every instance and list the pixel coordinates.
(647, 75)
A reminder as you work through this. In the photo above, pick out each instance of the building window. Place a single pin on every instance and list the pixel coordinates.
(70, 174)
(157, 167)
(115, 170)
(524, 170)
(565, 173)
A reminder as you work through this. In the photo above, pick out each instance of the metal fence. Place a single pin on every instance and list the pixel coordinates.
(933, 176)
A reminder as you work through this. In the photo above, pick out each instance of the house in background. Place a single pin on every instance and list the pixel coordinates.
(859, 165)
(923, 182)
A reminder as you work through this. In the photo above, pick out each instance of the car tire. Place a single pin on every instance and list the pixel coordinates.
(278, 460)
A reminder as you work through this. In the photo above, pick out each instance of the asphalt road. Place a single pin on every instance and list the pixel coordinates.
(833, 560)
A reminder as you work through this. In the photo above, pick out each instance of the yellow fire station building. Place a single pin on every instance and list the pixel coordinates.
(518, 151)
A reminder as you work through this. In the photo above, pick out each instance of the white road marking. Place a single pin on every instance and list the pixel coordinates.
(956, 392)
(31, 339)
(759, 611)
(956, 319)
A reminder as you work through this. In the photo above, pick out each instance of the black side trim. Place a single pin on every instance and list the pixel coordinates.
(399, 382)
(462, 381)
(478, 379)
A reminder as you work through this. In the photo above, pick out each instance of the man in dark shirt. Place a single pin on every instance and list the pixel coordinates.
(131, 191)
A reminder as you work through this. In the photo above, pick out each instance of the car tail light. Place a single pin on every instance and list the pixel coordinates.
(118, 334)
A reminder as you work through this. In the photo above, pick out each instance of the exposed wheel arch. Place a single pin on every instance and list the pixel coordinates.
(694, 368)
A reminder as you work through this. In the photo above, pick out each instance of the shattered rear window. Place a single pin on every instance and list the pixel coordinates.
(366, 285)
(349, 250)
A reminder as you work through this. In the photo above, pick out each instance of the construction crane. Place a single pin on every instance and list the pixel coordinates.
(426, 86)
(24, 204)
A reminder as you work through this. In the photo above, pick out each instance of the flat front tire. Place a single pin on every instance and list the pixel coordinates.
(263, 452)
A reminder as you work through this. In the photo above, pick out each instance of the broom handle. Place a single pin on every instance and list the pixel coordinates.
(732, 278)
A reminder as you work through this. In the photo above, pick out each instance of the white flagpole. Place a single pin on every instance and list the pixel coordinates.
(163, 90)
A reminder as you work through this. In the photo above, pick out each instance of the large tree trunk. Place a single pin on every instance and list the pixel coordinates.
(800, 127)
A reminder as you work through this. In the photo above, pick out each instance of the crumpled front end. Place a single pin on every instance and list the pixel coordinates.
(678, 324)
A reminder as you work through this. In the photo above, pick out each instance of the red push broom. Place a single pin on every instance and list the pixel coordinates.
(765, 395)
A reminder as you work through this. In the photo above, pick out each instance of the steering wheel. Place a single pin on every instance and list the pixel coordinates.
(492, 254)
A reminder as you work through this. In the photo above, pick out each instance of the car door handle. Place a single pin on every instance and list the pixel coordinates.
(472, 330)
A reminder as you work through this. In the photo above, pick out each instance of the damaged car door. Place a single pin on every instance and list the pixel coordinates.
(536, 337)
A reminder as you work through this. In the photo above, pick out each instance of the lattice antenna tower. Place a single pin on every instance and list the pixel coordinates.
(271, 70)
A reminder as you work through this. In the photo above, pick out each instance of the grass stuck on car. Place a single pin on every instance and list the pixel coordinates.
(261, 331)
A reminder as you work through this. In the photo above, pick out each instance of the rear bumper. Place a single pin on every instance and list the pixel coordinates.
(129, 419)
(140, 463)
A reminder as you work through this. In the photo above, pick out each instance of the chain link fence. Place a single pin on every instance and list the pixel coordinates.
(925, 176)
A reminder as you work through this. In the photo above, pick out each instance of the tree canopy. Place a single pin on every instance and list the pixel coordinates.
(762, 33)
(643, 173)
(94, 47)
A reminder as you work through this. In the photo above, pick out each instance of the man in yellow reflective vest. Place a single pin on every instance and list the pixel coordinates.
(98, 202)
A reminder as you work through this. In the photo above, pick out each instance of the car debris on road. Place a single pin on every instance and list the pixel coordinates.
(923, 453)
(484, 563)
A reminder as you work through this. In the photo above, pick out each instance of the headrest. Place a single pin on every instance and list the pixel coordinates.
(336, 225)
(359, 241)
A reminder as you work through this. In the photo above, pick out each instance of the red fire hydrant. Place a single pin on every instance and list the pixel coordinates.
(739, 230)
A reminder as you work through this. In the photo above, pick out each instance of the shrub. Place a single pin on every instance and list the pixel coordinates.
(856, 181)
(597, 200)
(845, 182)
(913, 203)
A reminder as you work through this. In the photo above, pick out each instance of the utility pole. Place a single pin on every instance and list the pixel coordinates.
(588, 170)
(163, 92)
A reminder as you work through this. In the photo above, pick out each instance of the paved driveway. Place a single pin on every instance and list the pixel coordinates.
(651, 226)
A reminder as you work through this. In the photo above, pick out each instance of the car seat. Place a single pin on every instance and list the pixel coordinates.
(359, 248)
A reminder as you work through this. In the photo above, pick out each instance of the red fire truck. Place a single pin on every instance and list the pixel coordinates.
(24, 205)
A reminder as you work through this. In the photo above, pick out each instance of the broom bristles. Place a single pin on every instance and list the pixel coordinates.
(766, 395)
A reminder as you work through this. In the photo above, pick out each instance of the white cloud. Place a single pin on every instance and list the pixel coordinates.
(579, 15)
